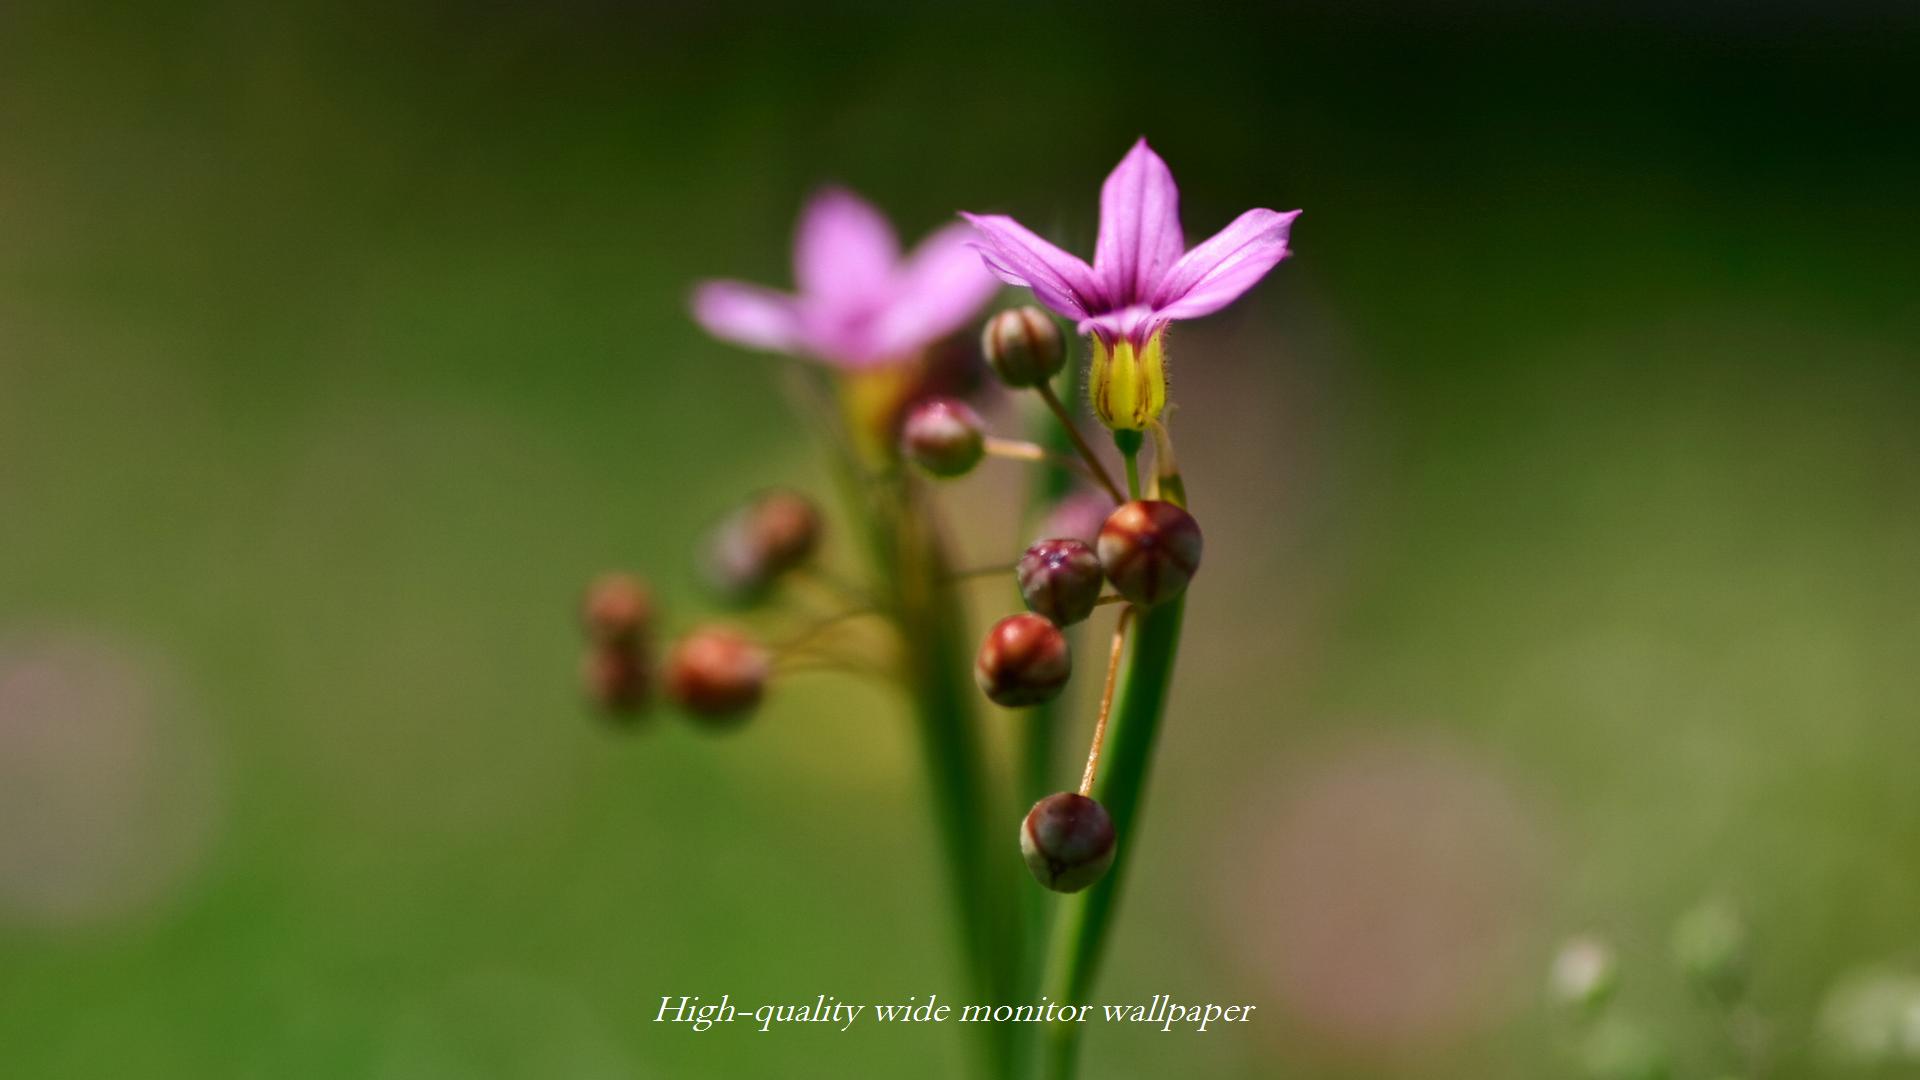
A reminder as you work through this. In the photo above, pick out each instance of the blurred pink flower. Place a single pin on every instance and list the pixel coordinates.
(1386, 891)
(1142, 277)
(859, 303)
(111, 785)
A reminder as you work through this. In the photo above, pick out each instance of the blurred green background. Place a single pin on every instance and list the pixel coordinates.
(1561, 497)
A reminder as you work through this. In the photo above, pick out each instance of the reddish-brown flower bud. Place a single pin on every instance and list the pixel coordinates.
(944, 436)
(770, 534)
(1068, 841)
(617, 678)
(717, 674)
(1023, 661)
(788, 527)
(1150, 550)
(618, 609)
(1060, 579)
(1024, 346)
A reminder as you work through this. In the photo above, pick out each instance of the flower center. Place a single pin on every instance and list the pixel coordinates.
(1128, 385)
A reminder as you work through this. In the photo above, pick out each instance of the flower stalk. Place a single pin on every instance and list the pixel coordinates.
(1085, 921)
(874, 316)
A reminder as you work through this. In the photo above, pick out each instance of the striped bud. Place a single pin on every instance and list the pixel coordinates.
(1150, 550)
(1067, 840)
(944, 436)
(1060, 579)
(1023, 661)
(1023, 346)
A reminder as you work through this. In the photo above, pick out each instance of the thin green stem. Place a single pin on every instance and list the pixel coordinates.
(923, 597)
(1098, 469)
(1039, 732)
(913, 586)
(1128, 442)
(1085, 919)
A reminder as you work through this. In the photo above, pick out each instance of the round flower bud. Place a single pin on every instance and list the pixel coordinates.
(1067, 840)
(772, 533)
(617, 679)
(1710, 945)
(1060, 579)
(788, 528)
(717, 674)
(1150, 550)
(1023, 661)
(1584, 975)
(617, 609)
(944, 436)
(1024, 347)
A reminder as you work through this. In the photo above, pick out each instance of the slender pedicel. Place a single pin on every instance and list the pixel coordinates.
(812, 631)
(1106, 701)
(1094, 464)
(1035, 454)
(836, 590)
(994, 570)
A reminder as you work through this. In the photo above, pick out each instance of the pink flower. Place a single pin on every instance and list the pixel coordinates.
(859, 303)
(1142, 277)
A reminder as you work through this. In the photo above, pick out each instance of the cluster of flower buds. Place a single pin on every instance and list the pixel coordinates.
(881, 315)
(617, 618)
(1146, 549)
(714, 674)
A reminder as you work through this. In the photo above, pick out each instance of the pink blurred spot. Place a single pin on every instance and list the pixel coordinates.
(107, 794)
(1382, 893)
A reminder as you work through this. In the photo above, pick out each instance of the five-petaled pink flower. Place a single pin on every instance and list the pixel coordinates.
(859, 304)
(1142, 278)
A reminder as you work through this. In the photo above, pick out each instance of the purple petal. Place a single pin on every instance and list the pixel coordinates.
(1139, 226)
(844, 251)
(1059, 280)
(942, 285)
(749, 315)
(1214, 274)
